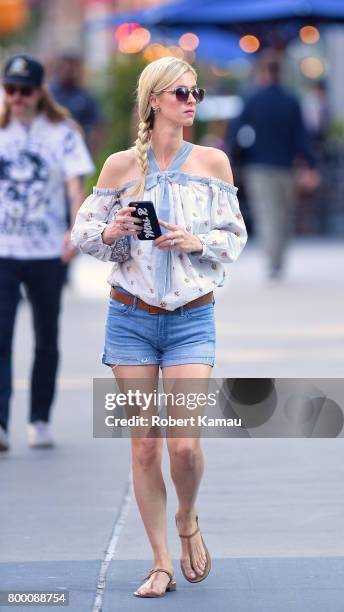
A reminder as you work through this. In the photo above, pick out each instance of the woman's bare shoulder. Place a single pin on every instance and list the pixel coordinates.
(119, 168)
(214, 162)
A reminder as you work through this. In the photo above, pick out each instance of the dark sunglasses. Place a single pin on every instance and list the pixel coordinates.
(24, 90)
(182, 93)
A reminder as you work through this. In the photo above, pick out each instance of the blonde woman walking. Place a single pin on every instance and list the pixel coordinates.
(161, 308)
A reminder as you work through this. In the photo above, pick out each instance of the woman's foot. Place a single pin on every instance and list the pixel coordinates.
(156, 584)
(194, 566)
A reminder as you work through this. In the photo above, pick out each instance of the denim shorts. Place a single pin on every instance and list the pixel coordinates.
(136, 337)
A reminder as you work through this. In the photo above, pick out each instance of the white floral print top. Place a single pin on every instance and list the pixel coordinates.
(204, 206)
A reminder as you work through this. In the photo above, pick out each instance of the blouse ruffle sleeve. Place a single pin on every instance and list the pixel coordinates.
(227, 233)
(99, 209)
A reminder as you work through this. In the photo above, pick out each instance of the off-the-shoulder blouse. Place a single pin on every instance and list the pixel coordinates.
(204, 206)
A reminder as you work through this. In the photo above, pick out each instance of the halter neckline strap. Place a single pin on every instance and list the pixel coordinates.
(163, 258)
(177, 161)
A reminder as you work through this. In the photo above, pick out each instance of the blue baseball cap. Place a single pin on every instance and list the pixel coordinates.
(23, 70)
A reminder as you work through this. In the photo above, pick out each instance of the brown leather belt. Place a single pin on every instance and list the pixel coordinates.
(124, 298)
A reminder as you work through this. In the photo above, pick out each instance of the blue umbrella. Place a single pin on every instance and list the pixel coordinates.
(215, 45)
(231, 13)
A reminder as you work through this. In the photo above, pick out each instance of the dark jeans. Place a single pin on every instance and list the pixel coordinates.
(43, 280)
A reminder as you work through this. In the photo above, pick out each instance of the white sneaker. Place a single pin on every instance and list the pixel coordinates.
(39, 435)
(4, 443)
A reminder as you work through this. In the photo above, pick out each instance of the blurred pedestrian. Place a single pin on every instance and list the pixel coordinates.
(67, 88)
(316, 113)
(317, 117)
(161, 309)
(41, 153)
(271, 137)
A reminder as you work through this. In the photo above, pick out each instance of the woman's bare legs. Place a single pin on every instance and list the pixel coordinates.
(149, 486)
(186, 462)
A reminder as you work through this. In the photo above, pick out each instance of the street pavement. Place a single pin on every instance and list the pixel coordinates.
(270, 510)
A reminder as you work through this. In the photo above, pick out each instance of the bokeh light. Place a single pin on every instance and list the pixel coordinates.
(134, 42)
(155, 51)
(189, 41)
(13, 15)
(249, 43)
(312, 67)
(309, 35)
(246, 136)
(125, 30)
(132, 38)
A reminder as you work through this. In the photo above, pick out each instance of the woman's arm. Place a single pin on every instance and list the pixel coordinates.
(227, 236)
(93, 232)
(114, 174)
(76, 195)
(227, 233)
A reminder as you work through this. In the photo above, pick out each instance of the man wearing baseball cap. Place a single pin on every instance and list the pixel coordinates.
(42, 155)
(23, 70)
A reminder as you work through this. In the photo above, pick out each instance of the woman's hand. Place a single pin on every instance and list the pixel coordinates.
(182, 240)
(123, 225)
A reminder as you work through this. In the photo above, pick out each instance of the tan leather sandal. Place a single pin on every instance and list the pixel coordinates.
(208, 559)
(171, 586)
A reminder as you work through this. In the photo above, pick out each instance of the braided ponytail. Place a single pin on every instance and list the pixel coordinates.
(141, 147)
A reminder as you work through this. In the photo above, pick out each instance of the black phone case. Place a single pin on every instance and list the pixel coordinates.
(145, 210)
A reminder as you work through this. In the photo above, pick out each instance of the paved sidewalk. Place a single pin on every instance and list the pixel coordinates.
(270, 510)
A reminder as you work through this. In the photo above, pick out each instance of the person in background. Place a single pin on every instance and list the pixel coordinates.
(272, 139)
(42, 153)
(66, 86)
(317, 117)
(316, 114)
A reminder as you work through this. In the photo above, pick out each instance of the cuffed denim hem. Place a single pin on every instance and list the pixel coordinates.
(111, 361)
(115, 361)
(185, 360)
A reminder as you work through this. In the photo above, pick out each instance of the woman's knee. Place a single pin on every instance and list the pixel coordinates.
(184, 451)
(146, 452)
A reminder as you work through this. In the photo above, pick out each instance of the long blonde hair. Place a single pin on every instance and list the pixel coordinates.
(47, 105)
(157, 76)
